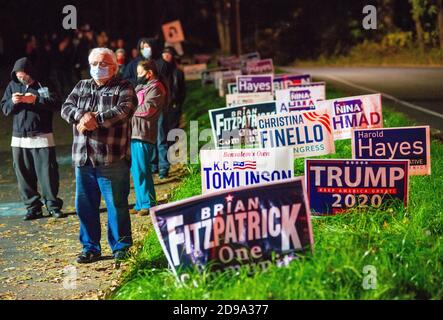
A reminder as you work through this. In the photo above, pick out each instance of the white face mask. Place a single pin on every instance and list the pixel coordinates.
(147, 53)
(99, 73)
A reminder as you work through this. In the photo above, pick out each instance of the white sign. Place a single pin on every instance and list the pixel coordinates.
(358, 112)
(237, 99)
(309, 132)
(300, 98)
(226, 169)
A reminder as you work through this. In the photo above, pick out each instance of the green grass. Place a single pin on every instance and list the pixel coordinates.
(405, 246)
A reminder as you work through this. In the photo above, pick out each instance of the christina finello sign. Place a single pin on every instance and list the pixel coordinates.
(308, 133)
(335, 186)
(358, 112)
(413, 143)
(254, 226)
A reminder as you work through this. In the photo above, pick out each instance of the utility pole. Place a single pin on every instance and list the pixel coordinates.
(237, 26)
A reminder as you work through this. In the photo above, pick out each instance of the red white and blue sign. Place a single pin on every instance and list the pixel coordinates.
(255, 226)
(290, 80)
(335, 186)
(413, 143)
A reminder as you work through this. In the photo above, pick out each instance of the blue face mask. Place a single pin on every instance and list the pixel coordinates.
(99, 73)
(146, 53)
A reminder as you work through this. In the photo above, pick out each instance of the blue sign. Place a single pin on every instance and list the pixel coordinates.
(237, 125)
(334, 186)
(411, 143)
(256, 226)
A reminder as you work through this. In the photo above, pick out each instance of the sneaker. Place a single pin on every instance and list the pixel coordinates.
(133, 211)
(33, 214)
(143, 212)
(88, 257)
(121, 255)
(163, 175)
(57, 214)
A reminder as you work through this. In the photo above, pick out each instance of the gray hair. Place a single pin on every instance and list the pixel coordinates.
(104, 51)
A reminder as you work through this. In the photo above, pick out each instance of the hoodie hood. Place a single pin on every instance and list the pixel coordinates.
(153, 43)
(23, 64)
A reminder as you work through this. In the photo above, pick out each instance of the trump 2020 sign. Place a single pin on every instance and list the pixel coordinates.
(335, 186)
(254, 226)
(356, 112)
(413, 143)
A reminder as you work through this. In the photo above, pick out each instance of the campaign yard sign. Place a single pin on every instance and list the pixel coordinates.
(237, 125)
(173, 32)
(232, 62)
(413, 143)
(255, 84)
(335, 186)
(255, 226)
(248, 98)
(193, 71)
(308, 133)
(207, 76)
(358, 112)
(289, 80)
(232, 87)
(264, 66)
(226, 169)
(228, 75)
(301, 97)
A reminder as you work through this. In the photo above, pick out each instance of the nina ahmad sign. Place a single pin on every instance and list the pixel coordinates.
(357, 112)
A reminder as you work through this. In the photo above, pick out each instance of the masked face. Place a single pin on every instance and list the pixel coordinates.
(147, 52)
(99, 73)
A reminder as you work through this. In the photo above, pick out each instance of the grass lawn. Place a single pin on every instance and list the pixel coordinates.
(405, 246)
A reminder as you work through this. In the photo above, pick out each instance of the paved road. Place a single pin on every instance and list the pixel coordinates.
(418, 92)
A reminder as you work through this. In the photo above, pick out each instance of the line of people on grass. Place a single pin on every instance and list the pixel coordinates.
(120, 125)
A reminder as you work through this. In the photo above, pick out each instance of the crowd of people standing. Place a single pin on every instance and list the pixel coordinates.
(121, 111)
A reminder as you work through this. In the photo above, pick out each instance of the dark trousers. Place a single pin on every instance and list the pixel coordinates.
(160, 155)
(32, 165)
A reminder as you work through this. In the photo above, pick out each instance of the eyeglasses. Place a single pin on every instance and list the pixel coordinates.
(102, 64)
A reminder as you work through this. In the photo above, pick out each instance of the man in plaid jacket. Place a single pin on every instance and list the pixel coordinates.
(100, 110)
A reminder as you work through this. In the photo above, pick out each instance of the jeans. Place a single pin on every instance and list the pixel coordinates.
(141, 154)
(113, 183)
(160, 155)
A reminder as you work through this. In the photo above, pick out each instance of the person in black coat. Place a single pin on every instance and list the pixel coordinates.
(149, 49)
(31, 104)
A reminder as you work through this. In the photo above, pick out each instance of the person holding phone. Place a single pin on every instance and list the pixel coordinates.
(31, 104)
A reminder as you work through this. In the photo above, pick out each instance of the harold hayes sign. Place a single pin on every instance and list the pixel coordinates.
(226, 169)
(246, 225)
(335, 186)
(357, 112)
(413, 143)
(237, 125)
(255, 84)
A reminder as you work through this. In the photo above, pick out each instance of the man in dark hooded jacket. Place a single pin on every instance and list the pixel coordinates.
(31, 104)
(149, 49)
